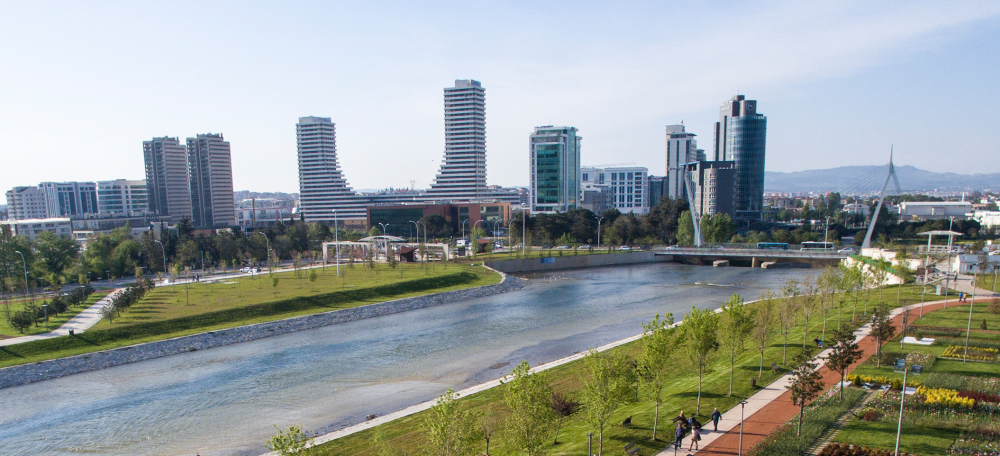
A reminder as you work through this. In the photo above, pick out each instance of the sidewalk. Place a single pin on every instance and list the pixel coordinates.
(772, 407)
(79, 323)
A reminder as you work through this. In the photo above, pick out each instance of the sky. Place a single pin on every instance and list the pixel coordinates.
(84, 83)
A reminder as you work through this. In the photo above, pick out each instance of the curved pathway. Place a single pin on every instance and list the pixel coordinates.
(772, 407)
(79, 323)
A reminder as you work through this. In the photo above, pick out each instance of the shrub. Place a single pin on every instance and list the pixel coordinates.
(872, 415)
(845, 449)
(879, 380)
(981, 442)
(979, 397)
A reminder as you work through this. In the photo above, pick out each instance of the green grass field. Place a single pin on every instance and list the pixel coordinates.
(165, 313)
(406, 434)
(54, 321)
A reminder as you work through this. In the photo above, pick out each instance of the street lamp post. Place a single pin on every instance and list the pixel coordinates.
(45, 308)
(385, 242)
(743, 405)
(902, 400)
(336, 240)
(109, 277)
(826, 233)
(590, 441)
(268, 252)
(463, 227)
(599, 219)
(25, 265)
(163, 251)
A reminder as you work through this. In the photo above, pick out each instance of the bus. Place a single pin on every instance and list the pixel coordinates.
(772, 245)
(810, 245)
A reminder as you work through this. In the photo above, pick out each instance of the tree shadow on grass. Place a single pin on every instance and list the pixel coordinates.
(694, 394)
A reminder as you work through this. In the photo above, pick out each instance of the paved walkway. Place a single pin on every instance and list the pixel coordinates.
(79, 323)
(772, 407)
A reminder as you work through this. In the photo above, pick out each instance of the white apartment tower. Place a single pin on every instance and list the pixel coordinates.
(70, 199)
(167, 178)
(682, 148)
(122, 197)
(463, 173)
(24, 203)
(629, 186)
(211, 170)
(322, 186)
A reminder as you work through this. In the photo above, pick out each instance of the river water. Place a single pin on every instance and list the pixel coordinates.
(227, 400)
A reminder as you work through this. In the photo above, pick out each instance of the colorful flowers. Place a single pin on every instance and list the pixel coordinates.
(975, 353)
(946, 397)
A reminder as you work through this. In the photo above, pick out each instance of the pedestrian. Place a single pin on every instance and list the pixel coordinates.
(695, 437)
(716, 416)
(679, 436)
(681, 419)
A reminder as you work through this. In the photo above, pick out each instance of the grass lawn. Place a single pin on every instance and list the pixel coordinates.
(164, 312)
(882, 434)
(680, 394)
(986, 282)
(55, 321)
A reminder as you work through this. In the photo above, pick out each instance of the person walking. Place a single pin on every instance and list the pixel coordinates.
(716, 416)
(678, 436)
(695, 437)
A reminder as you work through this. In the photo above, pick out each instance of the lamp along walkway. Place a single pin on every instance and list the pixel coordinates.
(771, 407)
(79, 323)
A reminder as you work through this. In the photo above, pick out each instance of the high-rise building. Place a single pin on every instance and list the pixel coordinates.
(712, 183)
(740, 137)
(555, 169)
(463, 173)
(322, 186)
(211, 169)
(682, 149)
(122, 197)
(629, 186)
(167, 178)
(69, 199)
(24, 203)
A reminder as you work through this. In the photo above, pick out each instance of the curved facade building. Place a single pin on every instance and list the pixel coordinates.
(740, 137)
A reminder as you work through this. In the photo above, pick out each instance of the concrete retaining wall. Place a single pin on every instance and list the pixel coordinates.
(571, 261)
(45, 370)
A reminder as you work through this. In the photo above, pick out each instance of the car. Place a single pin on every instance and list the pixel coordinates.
(461, 243)
(624, 247)
(846, 250)
(562, 247)
(585, 247)
(245, 270)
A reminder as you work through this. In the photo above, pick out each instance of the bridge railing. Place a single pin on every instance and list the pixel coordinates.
(753, 252)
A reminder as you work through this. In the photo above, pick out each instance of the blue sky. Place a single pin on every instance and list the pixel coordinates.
(84, 83)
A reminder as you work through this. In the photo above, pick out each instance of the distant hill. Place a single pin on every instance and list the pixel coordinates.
(846, 178)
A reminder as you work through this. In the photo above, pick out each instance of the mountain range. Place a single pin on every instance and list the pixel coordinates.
(869, 179)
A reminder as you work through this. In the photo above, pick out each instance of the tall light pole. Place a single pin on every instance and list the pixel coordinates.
(590, 441)
(599, 219)
(826, 232)
(25, 265)
(743, 405)
(45, 308)
(418, 229)
(336, 240)
(496, 231)
(163, 251)
(902, 399)
(268, 252)
(524, 234)
(385, 242)
(463, 227)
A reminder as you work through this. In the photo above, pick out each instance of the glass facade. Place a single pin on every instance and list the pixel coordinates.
(555, 169)
(747, 141)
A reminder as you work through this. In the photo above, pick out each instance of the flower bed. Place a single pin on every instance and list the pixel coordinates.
(946, 397)
(844, 449)
(975, 353)
(979, 397)
(879, 380)
(978, 443)
(986, 385)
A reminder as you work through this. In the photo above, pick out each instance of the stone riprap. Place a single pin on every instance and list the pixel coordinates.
(45, 370)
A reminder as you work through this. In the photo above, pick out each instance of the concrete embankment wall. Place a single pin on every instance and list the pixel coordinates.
(45, 370)
(575, 261)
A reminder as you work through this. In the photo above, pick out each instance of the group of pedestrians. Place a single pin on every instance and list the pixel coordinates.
(685, 424)
(962, 296)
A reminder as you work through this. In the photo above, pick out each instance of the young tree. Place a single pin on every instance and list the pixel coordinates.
(528, 397)
(312, 276)
(828, 282)
(735, 325)
(882, 330)
(489, 423)
(564, 407)
(606, 387)
(994, 308)
(274, 283)
(659, 342)
(450, 432)
(764, 319)
(700, 330)
(806, 383)
(788, 314)
(808, 299)
(845, 351)
(288, 442)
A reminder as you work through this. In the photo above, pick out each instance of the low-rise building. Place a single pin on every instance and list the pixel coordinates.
(596, 197)
(629, 186)
(31, 228)
(914, 211)
(988, 220)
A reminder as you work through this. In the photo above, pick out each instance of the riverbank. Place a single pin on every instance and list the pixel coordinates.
(95, 360)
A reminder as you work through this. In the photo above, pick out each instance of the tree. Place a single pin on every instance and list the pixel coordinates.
(528, 396)
(827, 283)
(763, 322)
(882, 330)
(806, 383)
(735, 325)
(606, 387)
(843, 354)
(274, 283)
(994, 308)
(685, 229)
(564, 407)
(700, 330)
(450, 432)
(659, 342)
(312, 276)
(489, 423)
(288, 442)
(788, 313)
(809, 299)
(54, 254)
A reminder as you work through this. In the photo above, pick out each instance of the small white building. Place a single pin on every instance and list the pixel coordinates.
(914, 211)
(31, 228)
(969, 264)
(989, 220)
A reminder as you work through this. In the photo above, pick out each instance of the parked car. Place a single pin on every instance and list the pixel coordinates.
(585, 247)
(562, 247)
(671, 247)
(624, 247)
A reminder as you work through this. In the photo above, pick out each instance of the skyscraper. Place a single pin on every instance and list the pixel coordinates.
(322, 186)
(463, 173)
(682, 148)
(167, 178)
(740, 137)
(711, 184)
(555, 169)
(211, 170)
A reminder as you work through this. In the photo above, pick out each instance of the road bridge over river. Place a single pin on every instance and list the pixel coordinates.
(754, 257)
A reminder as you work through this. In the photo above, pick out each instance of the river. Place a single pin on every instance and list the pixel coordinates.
(228, 400)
